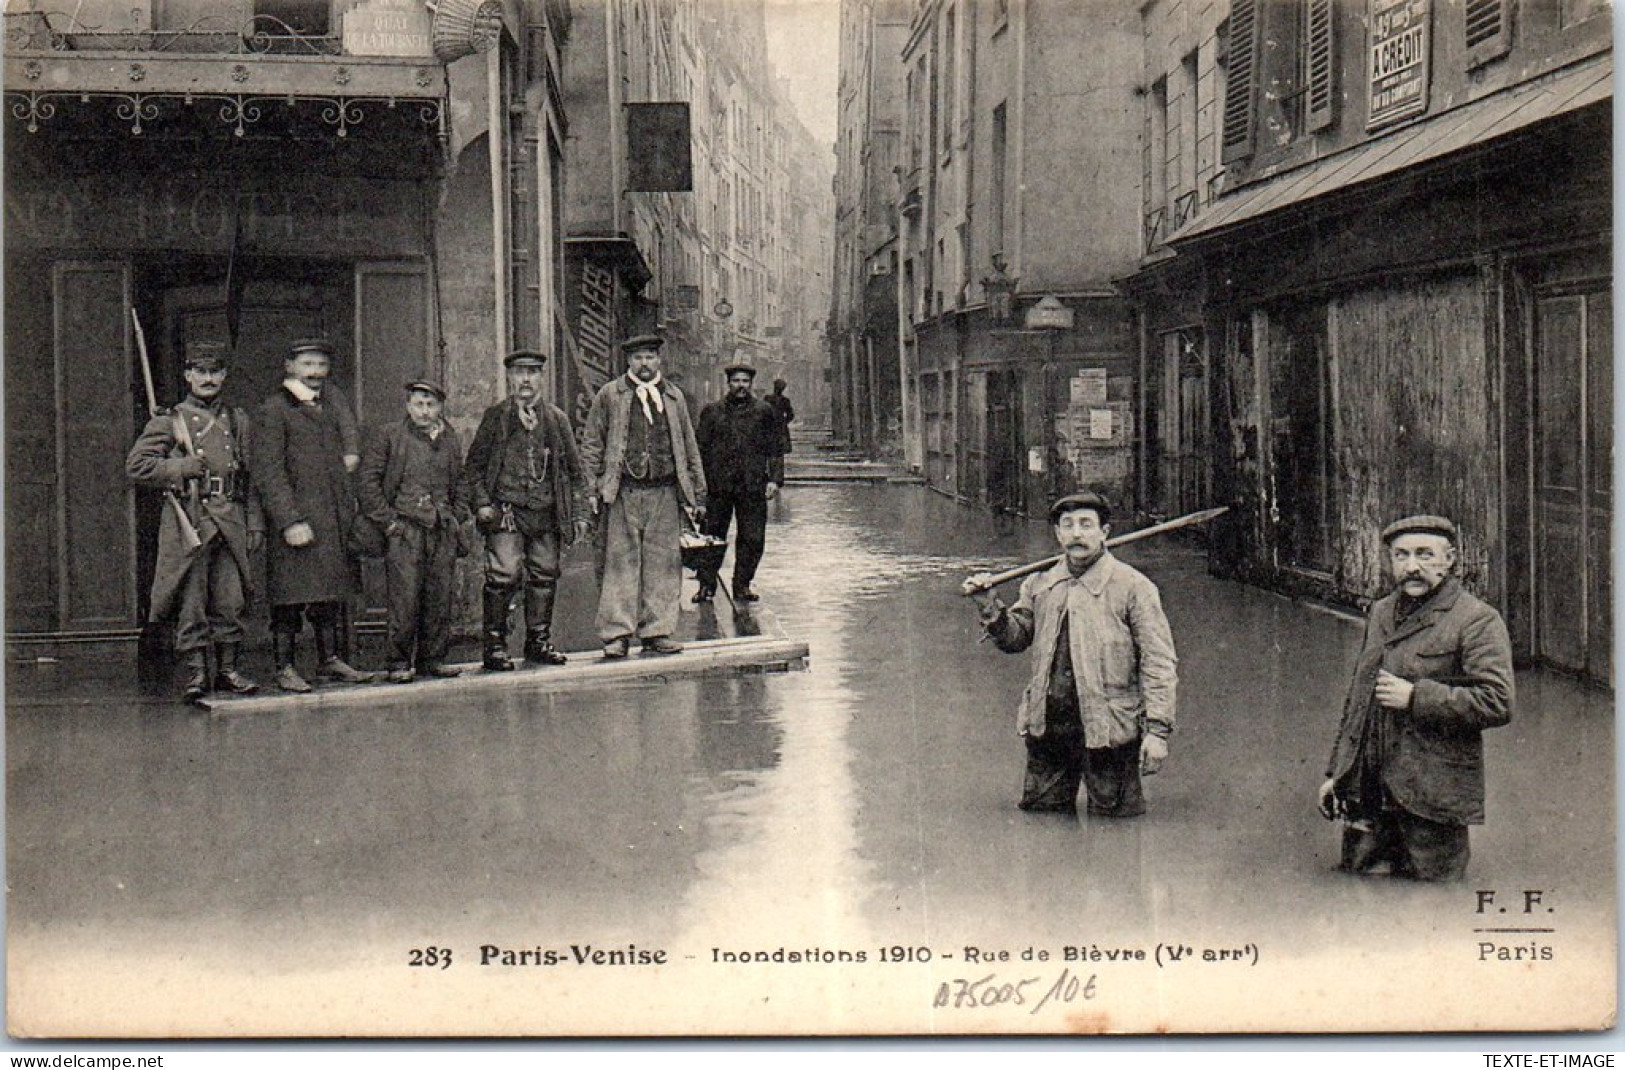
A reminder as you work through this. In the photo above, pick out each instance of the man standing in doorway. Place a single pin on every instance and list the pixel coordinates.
(525, 482)
(198, 452)
(1407, 768)
(301, 462)
(738, 437)
(643, 466)
(1100, 704)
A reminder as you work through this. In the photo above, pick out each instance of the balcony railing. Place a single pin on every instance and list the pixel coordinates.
(59, 31)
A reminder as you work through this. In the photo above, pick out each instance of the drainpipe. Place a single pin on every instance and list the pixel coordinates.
(496, 141)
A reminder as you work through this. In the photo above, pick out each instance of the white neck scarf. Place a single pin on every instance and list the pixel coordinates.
(300, 391)
(527, 414)
(649, 395)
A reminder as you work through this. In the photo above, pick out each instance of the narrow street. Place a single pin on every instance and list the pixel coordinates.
(275, 873)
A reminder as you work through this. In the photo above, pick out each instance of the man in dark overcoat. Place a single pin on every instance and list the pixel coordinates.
(197, 452)
(785, 411)
(525, 482)
(299, 467)
(738, 436)
(1406, 773)
(409, 489)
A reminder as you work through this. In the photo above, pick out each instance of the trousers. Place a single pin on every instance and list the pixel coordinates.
(643, 564)
(750, 543)
(212, 599)
(420, 565)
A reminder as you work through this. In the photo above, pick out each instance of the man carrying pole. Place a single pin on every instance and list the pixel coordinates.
(201, 578)
(1100, 705)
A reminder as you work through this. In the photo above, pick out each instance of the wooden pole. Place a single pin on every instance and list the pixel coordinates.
(970, 588)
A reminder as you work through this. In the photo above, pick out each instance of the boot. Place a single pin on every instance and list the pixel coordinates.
(286, 645)
(330, 645)
(226, 676)
(197, 675)
(496, 630)
(539, 626)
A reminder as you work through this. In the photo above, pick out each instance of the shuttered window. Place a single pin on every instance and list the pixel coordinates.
(1488, 30)
(1241, 83)
(1319, 79)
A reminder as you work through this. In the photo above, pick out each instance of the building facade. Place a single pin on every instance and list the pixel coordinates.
(1375, 280)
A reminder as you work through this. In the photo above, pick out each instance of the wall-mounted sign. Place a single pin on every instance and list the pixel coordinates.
(1049, 314)
(1401, 39)
(387, 28)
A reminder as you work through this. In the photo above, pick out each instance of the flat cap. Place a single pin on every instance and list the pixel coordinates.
(746, 368)
(1422, 523)
(525, 356)
(207, 353)
(427, 386)
(310, 345)
(1084, 499)
(640, 342)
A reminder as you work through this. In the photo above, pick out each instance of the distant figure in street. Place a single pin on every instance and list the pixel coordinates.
(301, 465)
(738, 436)
(525, 481)
(785, 412)
(409, 489)
(198, 450)
(1407, 768)
(1100, 704)
(643, 466)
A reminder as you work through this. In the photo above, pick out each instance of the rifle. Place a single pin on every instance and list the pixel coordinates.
(970, 588)
(189, 536)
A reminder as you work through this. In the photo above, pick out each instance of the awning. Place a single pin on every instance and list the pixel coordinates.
(1497, 115)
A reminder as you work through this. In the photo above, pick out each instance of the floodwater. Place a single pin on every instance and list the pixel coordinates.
(865, 806)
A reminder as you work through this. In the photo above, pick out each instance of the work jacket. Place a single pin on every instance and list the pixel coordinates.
(1455, 651)
(482, 472)
(603, 440)
(1123, 661)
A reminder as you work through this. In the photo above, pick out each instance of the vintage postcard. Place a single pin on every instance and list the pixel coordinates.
(808, 518)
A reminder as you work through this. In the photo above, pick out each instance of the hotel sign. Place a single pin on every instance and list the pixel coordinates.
(1401, 39)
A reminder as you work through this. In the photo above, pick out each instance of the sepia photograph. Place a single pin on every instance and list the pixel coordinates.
(808, 519)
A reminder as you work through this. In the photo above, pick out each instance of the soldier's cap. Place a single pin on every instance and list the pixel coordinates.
(639, 342)
(1085, 499)
(746, 368)
(1423, 524)
(427, 386)
(310, 345)
(207, 355)
(527, 357)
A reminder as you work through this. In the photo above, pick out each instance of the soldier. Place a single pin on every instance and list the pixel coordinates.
(644, 466)
(525, 482)
(301, 464)
(197, 451)
(738, 437)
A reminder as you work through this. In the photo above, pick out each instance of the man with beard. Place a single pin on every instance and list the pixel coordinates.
(525, 482)
(643, 467)
(1100, 704)
(744, 468)
(301, 463)
(1406, 773)
(198, 451)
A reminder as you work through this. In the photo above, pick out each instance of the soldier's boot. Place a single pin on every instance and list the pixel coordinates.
(226, 676)
(496, 629)
(286, 646)
(539, 649)
(331, 646)
(197, 675)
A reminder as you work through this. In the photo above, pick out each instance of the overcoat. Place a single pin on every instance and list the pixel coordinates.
(152, 462)
(298, 466)
(1456, 653)
(603, 440)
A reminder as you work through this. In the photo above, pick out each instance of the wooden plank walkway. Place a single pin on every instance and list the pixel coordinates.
(585, 670)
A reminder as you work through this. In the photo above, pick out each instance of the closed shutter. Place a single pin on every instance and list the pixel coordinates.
(1488, 30)
(1241, 83)
(1320, 88)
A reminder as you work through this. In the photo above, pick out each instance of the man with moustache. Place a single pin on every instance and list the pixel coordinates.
(525, 482)
(1406, 773)
(301, 464)
(1100, 704)
(643, 466)
(198, 450)
(744, 468)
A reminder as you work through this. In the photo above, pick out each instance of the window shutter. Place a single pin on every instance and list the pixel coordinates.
(1241, 82)
(1488, 30)
(1320, 91)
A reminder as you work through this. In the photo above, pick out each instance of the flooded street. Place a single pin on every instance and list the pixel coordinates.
(277, 871)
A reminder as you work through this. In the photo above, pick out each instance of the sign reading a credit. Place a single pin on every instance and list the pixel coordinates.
(1401, 38)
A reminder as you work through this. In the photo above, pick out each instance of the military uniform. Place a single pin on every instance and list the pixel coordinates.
(198, 453)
